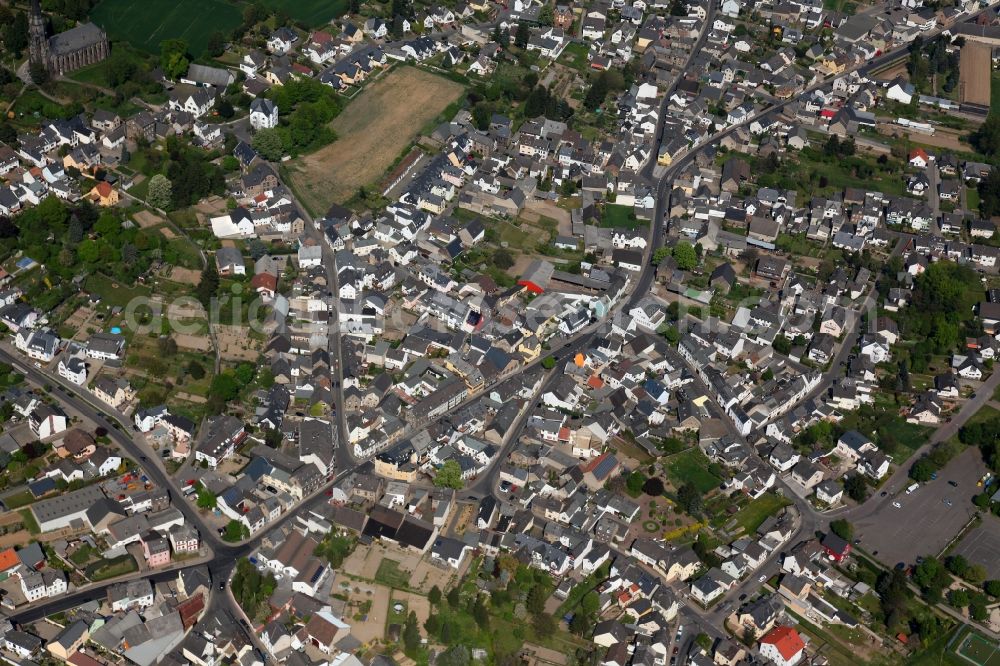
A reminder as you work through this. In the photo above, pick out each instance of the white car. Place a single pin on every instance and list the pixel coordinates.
(897, 505)
(762, 578)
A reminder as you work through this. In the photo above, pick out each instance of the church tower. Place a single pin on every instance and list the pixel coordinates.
(38, 42)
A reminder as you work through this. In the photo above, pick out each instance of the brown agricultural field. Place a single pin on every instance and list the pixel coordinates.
(374, 130)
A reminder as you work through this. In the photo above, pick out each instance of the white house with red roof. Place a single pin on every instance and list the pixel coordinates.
(919, 158)
(782, 646)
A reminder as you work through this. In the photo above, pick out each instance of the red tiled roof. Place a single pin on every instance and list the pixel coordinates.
(8, 559)
(589, 467)
(786, 640)
(264, 281)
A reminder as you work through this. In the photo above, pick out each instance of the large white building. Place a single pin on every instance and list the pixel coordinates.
(263, 114)
(43, 585)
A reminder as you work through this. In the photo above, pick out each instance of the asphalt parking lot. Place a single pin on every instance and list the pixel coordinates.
(982, 546)
(924, 523)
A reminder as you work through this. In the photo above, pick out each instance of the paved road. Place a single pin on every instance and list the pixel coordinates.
(343, 454)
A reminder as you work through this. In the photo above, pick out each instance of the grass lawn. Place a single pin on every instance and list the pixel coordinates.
(825, 643)
(575, 56)
(82, 555)
(146, 23)
(311, 12)
(95, 74)
(985, 413)
(140, 190)
(104, 569)
(911, 436)
(692, 465)
(391, 575)
(972, 198)
(113, 293)
(756, 512)
(887, 178)
(17, 500)
(29, 522)
(620, 216)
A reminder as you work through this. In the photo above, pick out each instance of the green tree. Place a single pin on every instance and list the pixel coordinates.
(224, 387)
(502, 258)
(244, 373)
(978, 610)
(432, 625)
(544, 625)
(634, 482)
(957, 564)
(661, 253)
(975, 574)
(522, 35)
(454, 598)
(206, 500)
(596, 93)
(256, 249)
(843, 529)
(434, 596)
(16, 34)
(273, 438)
(480, 614)
(216, 45)
(856, 487)
(208, 286)
(685, 256)
(922, 469)
(992, 588)
(548, 362)
(535, 602)
(411, 633)
(986, 139)
(546, 15)
(482, 114)
(160, 192)
(167, 346)
(449, 475)
(958, 598)
(195, 369)
(782, 345)
(689, 499)
(174, 59)
(268, 143)
(39, 73)
(235, 531)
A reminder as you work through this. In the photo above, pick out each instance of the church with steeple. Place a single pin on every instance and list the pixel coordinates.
(65, 52)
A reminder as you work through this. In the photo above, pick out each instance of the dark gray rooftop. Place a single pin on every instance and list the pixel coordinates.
(74, 39)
